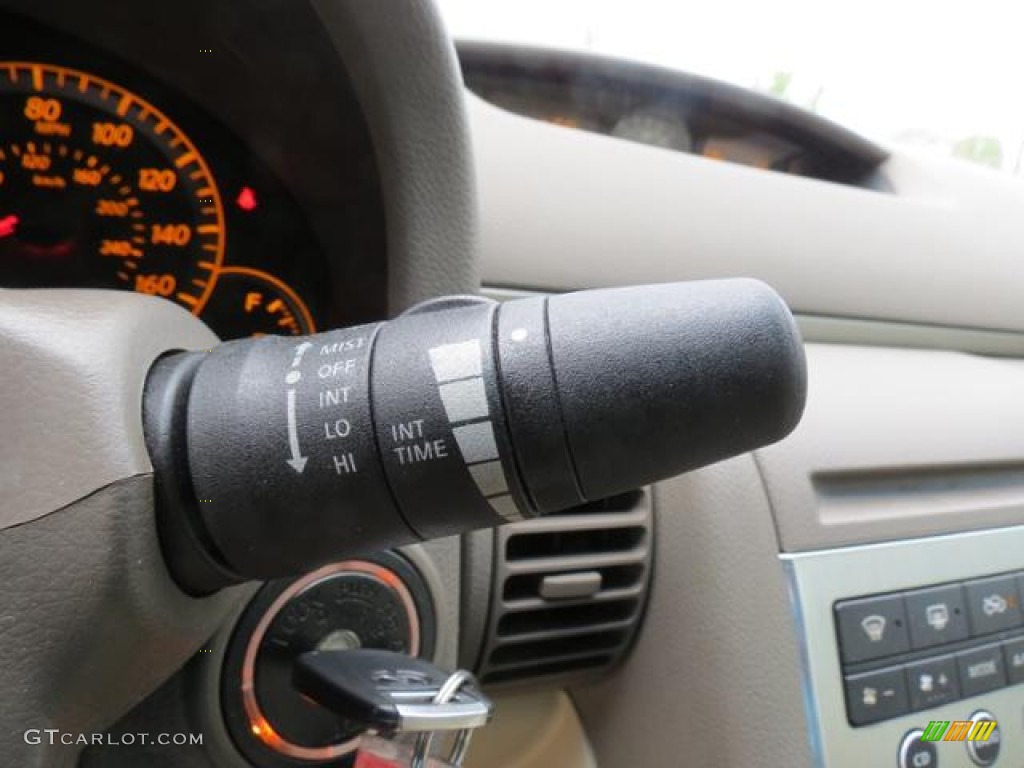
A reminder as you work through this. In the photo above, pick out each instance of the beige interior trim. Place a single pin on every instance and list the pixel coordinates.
(899, 443)
(877, 333)
(873, 333)
(534, 730)
(563, 209)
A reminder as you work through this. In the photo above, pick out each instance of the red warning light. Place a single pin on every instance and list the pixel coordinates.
(8, 224)
(247, 199)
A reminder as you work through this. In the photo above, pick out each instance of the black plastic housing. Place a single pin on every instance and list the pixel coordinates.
(462, 414)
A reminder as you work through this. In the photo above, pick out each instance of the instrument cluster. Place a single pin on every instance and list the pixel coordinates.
(669, 110)
(110, 179)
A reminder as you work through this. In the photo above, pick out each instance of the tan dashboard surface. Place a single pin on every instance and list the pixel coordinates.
(537, 730)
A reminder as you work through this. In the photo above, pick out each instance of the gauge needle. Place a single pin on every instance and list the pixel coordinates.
(7, 225)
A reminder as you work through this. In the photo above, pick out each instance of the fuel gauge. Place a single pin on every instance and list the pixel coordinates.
(250, 302)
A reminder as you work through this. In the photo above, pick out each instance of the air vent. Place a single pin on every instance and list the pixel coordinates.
(569, 591)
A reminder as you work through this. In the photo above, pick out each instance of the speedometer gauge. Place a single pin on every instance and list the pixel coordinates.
(656, 126)
(98, 188)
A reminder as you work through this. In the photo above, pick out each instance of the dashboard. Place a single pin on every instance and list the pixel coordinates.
(308, 165)
(669, 110)
(901, 488)
(112, 179)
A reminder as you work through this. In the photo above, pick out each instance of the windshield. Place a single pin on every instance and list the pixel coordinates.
(944, 77)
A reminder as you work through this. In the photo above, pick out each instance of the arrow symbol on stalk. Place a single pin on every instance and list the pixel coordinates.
(299, 352)
(297, 461)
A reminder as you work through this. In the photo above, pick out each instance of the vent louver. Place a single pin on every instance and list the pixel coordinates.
(569, 590)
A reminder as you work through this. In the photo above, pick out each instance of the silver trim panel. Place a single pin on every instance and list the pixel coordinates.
(818, 579)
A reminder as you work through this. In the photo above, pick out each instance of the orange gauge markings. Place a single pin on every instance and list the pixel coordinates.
(268, 301)
(89, 148)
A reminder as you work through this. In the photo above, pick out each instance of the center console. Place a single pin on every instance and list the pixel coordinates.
(887, 650)
(899, 507)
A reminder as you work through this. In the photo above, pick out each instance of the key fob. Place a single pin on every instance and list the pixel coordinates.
(387, 691)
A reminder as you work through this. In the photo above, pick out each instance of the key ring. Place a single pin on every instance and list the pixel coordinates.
(447, 692)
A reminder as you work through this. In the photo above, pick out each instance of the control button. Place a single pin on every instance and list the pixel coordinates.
(993, 604)
(984, 751)
(875, 696)
(1013, 650)
(872, 627)
(915, 753)
(932, 682)
(981, 670)
(936, 616)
